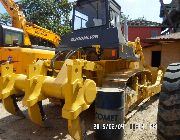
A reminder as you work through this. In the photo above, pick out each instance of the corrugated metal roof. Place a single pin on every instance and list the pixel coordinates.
(163, 39)
(142, 23)
(168, 37)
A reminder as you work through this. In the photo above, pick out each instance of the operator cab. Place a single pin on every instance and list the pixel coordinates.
(10, 36)
(97, 22)
(93, 13)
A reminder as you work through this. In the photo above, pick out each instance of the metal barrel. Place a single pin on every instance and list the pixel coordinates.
(109, 114)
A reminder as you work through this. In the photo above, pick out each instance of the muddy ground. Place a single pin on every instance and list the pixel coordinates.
(13, 128)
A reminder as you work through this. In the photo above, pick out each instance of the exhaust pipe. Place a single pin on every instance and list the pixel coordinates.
(126, 29)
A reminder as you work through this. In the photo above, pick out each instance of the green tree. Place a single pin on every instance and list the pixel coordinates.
(123, 17)
(140, 19)
(50, 14)
(5, 19)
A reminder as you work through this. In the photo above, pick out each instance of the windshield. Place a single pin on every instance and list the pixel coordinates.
(12, 37)
(90, 14)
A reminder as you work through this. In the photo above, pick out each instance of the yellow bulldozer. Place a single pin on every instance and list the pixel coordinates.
(93, 66)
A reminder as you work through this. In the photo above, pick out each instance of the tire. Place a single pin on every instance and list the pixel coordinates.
(168, 118)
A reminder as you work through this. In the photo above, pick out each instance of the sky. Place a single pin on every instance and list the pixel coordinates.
(149, 9)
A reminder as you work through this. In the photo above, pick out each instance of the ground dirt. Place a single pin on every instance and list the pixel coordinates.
(14, 128)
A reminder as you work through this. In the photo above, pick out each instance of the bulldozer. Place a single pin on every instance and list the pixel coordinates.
(15, 42)
(94, 65)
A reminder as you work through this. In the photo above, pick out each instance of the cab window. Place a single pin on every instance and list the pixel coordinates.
(90, 14)
(114, 18)
(114, 13)
(12, 37)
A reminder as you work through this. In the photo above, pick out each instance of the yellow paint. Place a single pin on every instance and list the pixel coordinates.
(19, 21)
(78, 93)
(23, 57)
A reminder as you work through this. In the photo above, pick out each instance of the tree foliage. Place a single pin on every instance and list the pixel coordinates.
(5, 19)
(123, 17)
(51, 14)
(140, 19)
